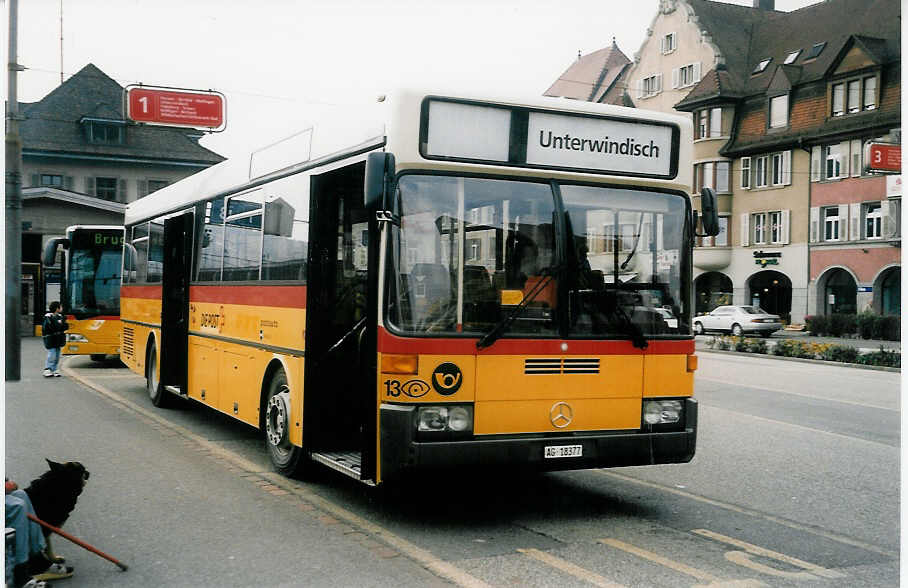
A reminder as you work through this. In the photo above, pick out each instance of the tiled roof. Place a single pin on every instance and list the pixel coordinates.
(746, 36)
(53, 124)
(591, 76)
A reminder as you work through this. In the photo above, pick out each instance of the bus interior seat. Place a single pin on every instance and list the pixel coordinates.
(480, 296)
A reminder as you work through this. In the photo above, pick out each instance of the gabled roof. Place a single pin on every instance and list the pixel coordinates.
(745, 36)
(592, 76)
(52, 125)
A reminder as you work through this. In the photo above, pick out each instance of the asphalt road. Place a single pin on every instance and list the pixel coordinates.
(795, 483)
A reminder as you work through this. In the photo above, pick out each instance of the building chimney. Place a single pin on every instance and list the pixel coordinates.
(765, 4)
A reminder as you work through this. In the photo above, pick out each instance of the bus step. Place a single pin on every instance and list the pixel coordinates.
(174, 390)
(346, 462)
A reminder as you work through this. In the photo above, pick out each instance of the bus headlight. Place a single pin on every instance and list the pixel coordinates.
(661, 412)
(75, 338)
(439, 419)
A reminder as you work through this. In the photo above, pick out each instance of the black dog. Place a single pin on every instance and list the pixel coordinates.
(54, 495)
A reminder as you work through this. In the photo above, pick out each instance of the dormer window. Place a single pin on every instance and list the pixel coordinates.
(853, 95)
(110, 132)
(761, 67)
(792, 57)
(778, 111)
(815, 51)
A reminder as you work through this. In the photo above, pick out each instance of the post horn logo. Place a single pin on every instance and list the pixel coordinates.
(447, 378)
(561, 414)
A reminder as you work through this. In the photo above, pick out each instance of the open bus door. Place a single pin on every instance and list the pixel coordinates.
(175, 302)
(339, 406)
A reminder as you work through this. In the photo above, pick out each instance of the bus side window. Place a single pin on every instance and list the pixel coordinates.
(140, 244)
(212, 242)
(286, 229)
(155, 252)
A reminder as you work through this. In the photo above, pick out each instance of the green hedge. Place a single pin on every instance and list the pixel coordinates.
(806, 350)
(865, 325)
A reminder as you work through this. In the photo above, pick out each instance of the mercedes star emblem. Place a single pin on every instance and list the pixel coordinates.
(561, 414)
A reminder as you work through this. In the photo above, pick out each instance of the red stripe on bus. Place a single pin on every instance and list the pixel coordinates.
(140, 292)
(264, 295)
(389, 343)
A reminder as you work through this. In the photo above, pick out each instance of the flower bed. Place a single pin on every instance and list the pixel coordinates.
(805, 350)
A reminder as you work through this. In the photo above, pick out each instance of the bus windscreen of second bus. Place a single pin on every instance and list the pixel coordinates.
(469, 252)
(93, 280)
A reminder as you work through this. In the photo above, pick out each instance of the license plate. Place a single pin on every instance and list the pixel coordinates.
(555, 451)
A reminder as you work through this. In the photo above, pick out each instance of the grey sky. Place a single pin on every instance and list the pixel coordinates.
(283, 63)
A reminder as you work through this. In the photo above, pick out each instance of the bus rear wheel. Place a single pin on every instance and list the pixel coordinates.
(287, 458)
(160, 397)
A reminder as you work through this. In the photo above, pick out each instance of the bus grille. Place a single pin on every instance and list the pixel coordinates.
(128, 341)
(568, 365)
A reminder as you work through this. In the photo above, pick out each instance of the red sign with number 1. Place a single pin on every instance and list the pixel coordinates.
(175, 107)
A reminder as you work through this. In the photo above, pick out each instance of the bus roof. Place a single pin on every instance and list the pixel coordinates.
(398, 122)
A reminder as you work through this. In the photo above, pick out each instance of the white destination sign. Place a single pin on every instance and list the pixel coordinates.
(601, 144)
(468, 131)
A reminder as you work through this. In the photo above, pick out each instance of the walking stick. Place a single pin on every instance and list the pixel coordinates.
(78, 542)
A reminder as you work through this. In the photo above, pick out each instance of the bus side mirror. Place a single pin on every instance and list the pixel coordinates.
(379, 171)
(49, 256)
(709, 214)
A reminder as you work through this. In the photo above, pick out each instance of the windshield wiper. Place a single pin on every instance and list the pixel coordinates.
(493, 335)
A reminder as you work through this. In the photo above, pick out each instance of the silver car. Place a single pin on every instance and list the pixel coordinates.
(738, 320)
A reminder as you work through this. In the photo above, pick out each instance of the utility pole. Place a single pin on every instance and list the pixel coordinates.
(13, 243)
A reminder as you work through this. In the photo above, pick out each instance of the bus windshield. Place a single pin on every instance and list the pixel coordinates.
(473, 255)
(93, 279)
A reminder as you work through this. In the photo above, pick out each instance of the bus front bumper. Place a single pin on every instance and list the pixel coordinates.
(401, 452)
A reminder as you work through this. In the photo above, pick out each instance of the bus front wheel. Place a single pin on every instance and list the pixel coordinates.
(160, 397)
(287, 458)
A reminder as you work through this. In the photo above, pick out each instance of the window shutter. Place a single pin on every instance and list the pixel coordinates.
(814, 224)
(121, 191)
(662, 45)
(745, 229)
(890, 213)
(658, 83)
(675, 75)
(142, 186)
(786, 168)
(856, 158)
(785, 229)
(696, 72)
(638, 89)
(815, 164)
(36, 180)
(90, 186)
(854, 226)
(68, 182)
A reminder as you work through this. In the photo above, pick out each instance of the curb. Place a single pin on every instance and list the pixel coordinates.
(860, 366)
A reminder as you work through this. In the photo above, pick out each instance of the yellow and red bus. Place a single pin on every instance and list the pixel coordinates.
(457, 281)
(90, 287)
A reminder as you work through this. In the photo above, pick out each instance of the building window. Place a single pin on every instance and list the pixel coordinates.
(759, 224)
(51, 180)
(650, 86)
(712, 174)
(775, 227)
(760, 172)
(668, 43)
(831, 223)
(745, 173)
(474, 250)
(99, 132)
(853, 96)
(832, 155)
(155, 185)
(106, 188)
(720, 240)
(873, 220)
(709, 123)
(815, 51)
(761, 67)
(792, 57)
(686, 76)
(778, 111)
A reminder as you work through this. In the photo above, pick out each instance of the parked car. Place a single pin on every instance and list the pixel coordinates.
(738, 320)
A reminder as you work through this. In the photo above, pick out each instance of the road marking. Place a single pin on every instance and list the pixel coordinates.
(753, 513)
(663, 561)
(763, 552)
(422, 556)
(569, 568)
(778, 391)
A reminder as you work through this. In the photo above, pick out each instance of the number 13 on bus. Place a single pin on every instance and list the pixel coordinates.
(456, 282)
